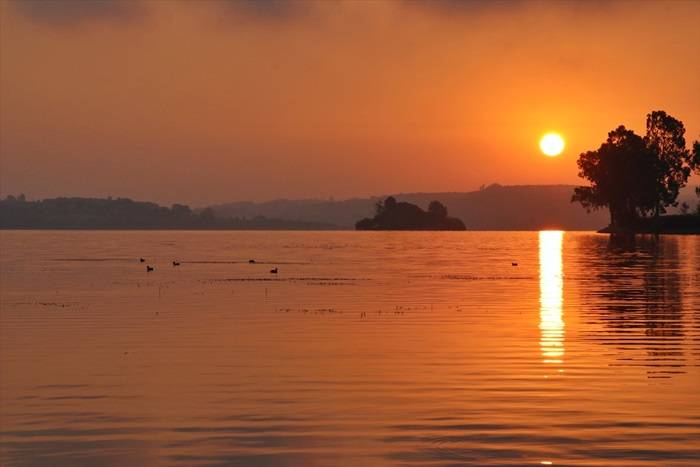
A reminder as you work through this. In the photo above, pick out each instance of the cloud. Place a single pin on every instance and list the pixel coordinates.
(266, 10)
(62, 13)
(72, 12)
(80, 12)
(472, 7)
(462, 6)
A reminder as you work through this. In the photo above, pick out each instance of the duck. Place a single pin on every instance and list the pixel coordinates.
(513, 263)
(251, 261)
(149, 268)
(141, 260)
(273, 271)
(176, 263)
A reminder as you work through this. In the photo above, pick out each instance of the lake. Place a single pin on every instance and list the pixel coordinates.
(367, 348)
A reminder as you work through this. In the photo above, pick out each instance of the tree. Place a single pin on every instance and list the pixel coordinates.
(437, 209)
(635, 176)
(207, 215)
(622, 173)
(181, 210)
(665, 139)
(696, 162)
(378, 207)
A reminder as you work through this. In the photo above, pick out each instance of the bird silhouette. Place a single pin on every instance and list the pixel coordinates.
(175, 263)
(141, 260)
(514, 264)
(273, 271)
(251, 261)
(149, 269)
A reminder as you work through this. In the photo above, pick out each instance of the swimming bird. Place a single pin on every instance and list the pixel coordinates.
(273, 271)
(141, 260)
(514, 264)
(175, 263)
(251, 261)
(149, 269)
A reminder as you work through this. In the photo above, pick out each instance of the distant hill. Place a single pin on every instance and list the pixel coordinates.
(342, 214)
(497, 207)
(124, 213)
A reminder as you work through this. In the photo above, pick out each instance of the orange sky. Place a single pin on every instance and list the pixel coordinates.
(203, 102)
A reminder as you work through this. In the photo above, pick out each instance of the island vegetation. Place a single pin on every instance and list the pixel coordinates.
(637, 178)
(394, 215)
(16, 212)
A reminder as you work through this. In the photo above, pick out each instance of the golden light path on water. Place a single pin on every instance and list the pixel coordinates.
(551, 297)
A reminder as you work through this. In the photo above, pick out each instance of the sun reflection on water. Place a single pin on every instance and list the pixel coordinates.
(551, 297)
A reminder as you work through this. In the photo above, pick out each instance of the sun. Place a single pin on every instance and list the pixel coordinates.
(552, 144)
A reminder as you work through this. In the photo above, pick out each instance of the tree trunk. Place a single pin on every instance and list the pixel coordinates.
(613, 215)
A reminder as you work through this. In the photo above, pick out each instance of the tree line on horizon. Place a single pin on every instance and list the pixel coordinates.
(123, 213)
(638, 177)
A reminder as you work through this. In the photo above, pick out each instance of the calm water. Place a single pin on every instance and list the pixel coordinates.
(365, 349)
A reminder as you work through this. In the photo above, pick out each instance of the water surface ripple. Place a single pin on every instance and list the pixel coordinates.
(365, 349)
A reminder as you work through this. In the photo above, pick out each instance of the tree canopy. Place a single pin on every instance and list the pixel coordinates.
(636, 176)
(665, 138)
(696, 161)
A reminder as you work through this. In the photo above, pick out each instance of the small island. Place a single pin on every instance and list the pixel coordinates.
(394, 215)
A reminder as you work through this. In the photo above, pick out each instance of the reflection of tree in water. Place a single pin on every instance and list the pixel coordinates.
(664, 307)
(634, 289)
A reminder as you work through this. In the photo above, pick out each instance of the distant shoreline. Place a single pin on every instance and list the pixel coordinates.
(618, 231)
(173, 229)
(339, 229)
(604, 231)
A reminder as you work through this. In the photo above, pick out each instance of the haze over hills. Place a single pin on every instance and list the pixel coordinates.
(496, 207)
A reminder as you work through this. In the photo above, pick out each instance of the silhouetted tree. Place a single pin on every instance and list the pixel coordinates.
(635, 176)
(622, 176)
(437, 209)
(122, 213)
(207, 215)
(378, 207)
(665, 138)
(696, 162)
(180, 211)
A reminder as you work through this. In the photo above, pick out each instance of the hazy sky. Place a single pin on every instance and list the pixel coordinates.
(203, 102)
